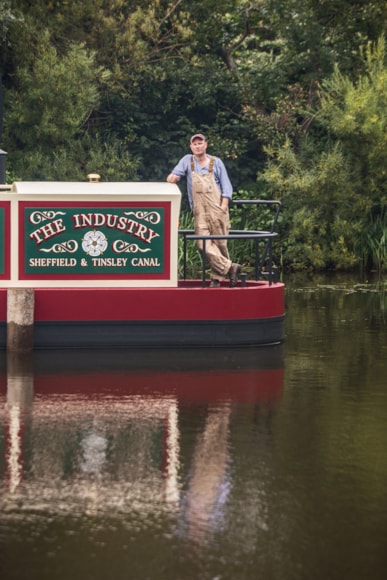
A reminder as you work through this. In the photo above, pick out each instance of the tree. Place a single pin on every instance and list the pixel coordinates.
(354, 112)
(125, 82)
(333, 184)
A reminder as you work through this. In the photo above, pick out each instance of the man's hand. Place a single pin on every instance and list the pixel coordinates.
(172, 178)
(224, 203)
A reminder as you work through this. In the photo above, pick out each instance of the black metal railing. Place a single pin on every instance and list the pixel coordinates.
(263, 258)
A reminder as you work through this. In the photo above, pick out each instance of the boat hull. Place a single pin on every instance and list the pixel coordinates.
(186, 316)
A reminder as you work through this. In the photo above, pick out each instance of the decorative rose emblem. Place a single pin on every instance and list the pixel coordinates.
(94, 243)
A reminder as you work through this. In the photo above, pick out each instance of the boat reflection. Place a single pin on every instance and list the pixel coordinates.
(101, 432)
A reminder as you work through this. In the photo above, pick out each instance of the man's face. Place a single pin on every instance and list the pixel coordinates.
(198, 147)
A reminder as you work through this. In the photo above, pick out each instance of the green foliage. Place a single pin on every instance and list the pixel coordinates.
(62, 91)
(312, 187)
(7, 18)
(193, 258)
(109, 159)
(280, 88)
(333, 183)
(355, 113)
(61, 95)
(371, 245)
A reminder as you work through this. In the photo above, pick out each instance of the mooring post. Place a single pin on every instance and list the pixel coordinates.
(20, 319)
(20, 379)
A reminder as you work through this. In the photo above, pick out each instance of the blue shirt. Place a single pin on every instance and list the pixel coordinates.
(222, 180)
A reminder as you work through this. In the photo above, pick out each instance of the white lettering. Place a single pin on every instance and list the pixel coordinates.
(109, 262)
(86, 220)
(52, 262)
(145, 262)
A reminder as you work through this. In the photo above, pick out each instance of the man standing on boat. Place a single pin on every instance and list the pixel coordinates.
(209, 193)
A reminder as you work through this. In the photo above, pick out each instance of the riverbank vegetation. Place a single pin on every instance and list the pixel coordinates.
(291, 94)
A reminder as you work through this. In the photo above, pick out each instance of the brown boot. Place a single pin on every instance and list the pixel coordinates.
(233, 274)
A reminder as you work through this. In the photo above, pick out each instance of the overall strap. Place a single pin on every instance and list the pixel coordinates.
(210, 166)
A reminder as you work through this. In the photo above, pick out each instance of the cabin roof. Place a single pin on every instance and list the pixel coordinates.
(95, 189)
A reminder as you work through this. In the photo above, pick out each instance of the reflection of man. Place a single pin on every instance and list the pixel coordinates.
(208, 485)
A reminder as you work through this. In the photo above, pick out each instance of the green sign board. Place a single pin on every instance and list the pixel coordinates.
(112, 240)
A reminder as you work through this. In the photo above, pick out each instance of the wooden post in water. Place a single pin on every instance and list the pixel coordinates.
(20, 379)
(20, 319)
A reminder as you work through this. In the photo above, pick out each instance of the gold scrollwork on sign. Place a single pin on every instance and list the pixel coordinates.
(68, 247)
(119, 246)
(37, 217)
(153, 217)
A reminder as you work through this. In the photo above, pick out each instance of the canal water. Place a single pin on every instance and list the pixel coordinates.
(266, 463)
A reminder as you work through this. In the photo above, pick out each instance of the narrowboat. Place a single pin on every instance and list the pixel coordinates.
(102, 261)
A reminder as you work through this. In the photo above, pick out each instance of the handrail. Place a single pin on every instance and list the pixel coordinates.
(256, 235)
(233, 235)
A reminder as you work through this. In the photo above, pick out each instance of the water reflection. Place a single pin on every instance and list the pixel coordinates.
(204, 464)
(19, 399)
(106, 432)
(209, 480)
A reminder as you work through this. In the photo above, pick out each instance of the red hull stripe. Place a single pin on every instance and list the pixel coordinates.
(255, 301)
(249, 385)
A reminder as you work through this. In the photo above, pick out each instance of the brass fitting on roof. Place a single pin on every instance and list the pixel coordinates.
(93, 177)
